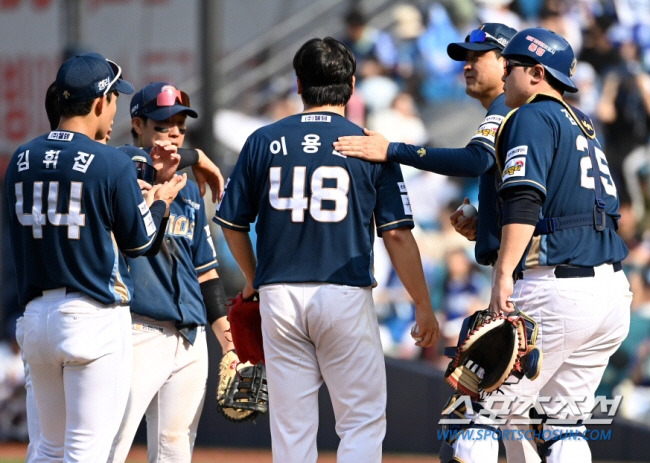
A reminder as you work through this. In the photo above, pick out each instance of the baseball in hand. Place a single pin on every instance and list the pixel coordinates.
(415, 331)
(468, 210)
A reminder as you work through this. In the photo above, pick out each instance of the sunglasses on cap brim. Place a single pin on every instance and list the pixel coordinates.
(167, 98)
(479, 36)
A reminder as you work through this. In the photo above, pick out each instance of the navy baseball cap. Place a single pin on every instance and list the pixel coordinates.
(160, 101)
(142, 161)
(89, 76)
(489, 36)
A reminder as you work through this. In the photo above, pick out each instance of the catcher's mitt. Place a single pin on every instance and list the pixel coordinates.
(490, 349)
(242, 393)
(246, 328)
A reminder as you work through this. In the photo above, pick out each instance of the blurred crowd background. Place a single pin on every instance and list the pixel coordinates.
(411, 91)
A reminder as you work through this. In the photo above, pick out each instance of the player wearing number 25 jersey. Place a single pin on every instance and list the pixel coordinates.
(559, 211)
(317, 212)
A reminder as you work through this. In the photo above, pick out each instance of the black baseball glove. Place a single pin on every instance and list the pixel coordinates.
(242, 393)
(490, 349)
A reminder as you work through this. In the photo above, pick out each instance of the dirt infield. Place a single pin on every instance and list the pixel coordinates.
(138, 454)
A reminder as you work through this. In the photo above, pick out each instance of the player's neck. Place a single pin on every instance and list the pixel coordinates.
(80, 124)
(340, 110)
(488, 98)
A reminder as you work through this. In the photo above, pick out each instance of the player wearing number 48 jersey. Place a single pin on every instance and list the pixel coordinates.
(316, 216)
(75, 208)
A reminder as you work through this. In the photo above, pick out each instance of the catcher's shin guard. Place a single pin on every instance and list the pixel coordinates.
(557, 444)
(469, 441)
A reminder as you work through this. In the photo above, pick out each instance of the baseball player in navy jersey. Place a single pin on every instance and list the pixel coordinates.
(558, 239)
(316, 212)
(72, 276)
(483, 72)
(155, 118)
(172, 291)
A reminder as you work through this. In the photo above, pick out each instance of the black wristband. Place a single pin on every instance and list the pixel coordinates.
(214, 298)
(189, 157)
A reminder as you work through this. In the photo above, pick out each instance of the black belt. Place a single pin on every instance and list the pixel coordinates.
(67, 291)
(574, 271)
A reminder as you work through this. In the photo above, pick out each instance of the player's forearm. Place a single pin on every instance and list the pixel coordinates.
(514, 240)
(405, 257)
(241, 249)
(470, 161)
(221, 328)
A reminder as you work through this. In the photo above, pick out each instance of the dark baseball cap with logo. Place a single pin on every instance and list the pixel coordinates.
(89, 76)
(160, 101)
(489, 36)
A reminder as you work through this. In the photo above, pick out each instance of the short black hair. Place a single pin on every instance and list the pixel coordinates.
(52, 106)
(80, 108)
(325, 68)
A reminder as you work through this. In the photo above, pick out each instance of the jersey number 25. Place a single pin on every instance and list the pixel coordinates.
(587, 181)
(297, 203)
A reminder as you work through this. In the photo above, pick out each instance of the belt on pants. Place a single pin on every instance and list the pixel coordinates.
(57, 292)
(573, 271)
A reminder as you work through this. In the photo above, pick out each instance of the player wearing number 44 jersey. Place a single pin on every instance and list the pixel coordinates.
(75, 208)
(559, 240)
(316, 216)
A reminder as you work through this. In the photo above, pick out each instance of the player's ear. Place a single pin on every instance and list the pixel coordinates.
(537, 73)
(354, 81)
(299, 85)
(138, 125)
(99, 105)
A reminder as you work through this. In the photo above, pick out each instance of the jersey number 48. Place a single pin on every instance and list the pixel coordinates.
(297, 203)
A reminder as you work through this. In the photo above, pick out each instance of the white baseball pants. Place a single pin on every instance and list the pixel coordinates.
(33, 422)
(168, 388)
(323, 332)
(581, 321)
(79, 356)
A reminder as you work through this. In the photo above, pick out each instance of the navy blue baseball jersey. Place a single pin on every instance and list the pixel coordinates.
(166, 285)
(75, 206)
(487, 233)
(477, 159)
(545, 145)
(315, 206)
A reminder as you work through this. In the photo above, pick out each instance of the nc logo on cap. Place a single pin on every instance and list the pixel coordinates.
(66, 94)
(102, 84)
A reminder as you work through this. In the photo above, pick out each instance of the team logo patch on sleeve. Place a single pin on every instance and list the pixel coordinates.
(487, 130)
(402, 187)
(407, 205)
(143, 207)
(521, 150)
(515, 168)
